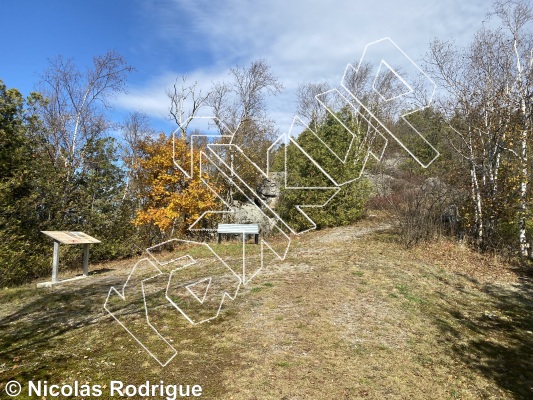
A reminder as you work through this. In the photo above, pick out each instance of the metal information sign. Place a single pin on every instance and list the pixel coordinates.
(68, 237)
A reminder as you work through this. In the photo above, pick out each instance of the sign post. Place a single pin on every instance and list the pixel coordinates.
(66, 237)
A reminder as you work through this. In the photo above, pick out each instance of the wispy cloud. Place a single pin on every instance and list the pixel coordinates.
(304, 41)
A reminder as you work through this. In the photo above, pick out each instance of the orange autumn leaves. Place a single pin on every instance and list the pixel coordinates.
(170, 200)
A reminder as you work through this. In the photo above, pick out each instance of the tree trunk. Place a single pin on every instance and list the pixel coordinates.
(522, 213)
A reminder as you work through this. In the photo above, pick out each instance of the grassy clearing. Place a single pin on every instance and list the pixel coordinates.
(349, 314)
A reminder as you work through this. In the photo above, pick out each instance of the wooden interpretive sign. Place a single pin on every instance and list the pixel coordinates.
(68, 237)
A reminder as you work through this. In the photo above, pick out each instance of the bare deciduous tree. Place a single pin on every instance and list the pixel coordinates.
(75, 119)
(515, 16)
(488, 100)
(307, 105)
(75, 113)
(240, 106)
(135, 129)
(241, 100)
(182, 96)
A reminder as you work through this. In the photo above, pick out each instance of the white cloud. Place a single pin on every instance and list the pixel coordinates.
(304, 41)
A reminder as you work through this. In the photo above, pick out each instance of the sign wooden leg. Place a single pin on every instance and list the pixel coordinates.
(86, 259)
(55, 261)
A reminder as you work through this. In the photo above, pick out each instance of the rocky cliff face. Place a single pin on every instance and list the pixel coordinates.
(246, 213)
(268, 190)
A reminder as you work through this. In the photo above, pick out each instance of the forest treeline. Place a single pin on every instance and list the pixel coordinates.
(66, 165)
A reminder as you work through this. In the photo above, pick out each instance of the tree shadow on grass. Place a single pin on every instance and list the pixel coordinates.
(47, 324)
(30, 330)
(65, 333)
(490, 330)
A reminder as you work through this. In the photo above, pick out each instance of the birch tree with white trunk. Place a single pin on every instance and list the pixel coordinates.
(516, 18)
(488, 102)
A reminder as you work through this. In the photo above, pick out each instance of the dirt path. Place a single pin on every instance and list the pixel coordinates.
(348, 314)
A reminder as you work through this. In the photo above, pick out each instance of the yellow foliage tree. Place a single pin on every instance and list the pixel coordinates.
(169, 199)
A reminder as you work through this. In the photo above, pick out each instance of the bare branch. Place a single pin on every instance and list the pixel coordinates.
(72, 114)
(182, 96)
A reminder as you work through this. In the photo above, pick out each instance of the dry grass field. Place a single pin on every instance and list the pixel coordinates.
(349, 314)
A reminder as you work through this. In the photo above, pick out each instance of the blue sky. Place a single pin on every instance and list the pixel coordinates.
(303, 41)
